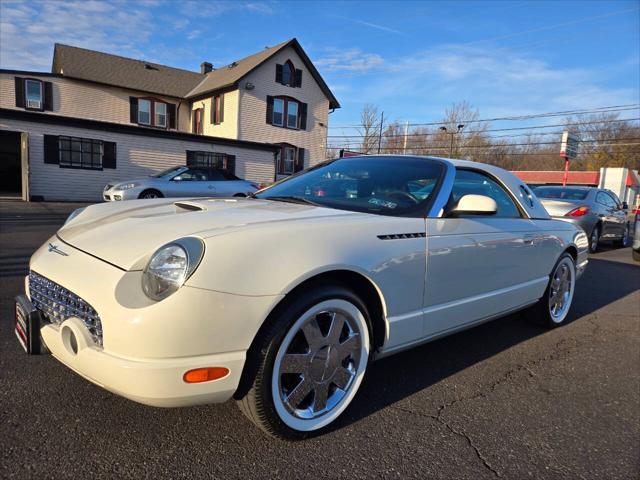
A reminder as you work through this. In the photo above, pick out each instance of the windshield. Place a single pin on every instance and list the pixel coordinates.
(168, 172)
(561, 193)
(399, 186)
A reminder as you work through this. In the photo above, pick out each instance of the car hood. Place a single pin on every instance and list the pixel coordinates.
(126, 233)
(558, 208)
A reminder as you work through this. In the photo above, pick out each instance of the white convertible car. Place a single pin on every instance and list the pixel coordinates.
(281, 301)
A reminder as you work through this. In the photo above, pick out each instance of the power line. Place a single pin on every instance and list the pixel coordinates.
(467, 132)
(608, 109)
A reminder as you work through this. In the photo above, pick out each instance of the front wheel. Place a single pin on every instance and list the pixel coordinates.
(151, 193)
(311, 363)
(624, 240)
(553, 308)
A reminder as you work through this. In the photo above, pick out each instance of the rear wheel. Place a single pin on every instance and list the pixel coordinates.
(553, 308)
(151, 193)
(310, 363)
(594, 239)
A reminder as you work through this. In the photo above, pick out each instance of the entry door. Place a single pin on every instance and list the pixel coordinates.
(480, 266)
(11, 164)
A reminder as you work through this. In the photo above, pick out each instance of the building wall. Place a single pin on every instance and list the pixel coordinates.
(80, 99)
(253, 108)
(137, 156)
(229, 127)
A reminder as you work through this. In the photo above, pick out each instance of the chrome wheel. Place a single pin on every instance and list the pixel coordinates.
(320, 364)
(151, 195)
(561, 290)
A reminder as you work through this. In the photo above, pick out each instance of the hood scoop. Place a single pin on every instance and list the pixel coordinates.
(188, 206)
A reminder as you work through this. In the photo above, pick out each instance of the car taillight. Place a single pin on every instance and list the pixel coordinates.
(578, 212)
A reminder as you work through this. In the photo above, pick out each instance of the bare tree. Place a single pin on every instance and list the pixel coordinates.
(369, 128)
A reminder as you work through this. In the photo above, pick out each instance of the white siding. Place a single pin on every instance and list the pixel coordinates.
(253, 112)
(137, 156)
(75, 98)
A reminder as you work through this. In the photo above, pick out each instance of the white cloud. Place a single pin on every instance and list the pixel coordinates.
(353, 61)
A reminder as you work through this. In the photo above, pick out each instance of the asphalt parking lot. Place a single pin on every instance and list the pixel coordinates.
(503, 400)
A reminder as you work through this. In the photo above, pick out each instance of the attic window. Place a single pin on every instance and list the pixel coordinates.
(287, 74)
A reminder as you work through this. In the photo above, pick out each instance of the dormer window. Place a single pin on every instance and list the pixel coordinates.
(34, 93)
(288, 75)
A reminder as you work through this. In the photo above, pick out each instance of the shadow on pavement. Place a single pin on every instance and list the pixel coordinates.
(392, 379)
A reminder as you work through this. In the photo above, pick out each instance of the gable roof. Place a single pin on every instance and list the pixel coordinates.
(83, 64)
(230, 75)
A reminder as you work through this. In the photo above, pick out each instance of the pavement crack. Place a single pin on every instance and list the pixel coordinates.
(460, 433)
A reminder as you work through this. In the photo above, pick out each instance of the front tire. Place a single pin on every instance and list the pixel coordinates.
(151, 193)
(310, 363)
(553, 308)
(624, 241)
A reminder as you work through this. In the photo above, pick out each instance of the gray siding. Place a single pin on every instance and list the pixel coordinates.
(137, 156)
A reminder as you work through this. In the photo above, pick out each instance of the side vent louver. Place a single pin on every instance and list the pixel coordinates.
(401, 236)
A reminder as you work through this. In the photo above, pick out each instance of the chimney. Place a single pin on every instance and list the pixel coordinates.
(206, 67)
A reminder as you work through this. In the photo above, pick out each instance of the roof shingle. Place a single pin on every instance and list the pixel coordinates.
(80, 63)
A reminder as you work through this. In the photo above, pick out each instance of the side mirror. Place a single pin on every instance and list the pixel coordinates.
(474, 205)
(625, 206)
(177, 178)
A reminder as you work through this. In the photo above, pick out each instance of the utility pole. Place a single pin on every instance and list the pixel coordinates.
(380, 135)
(406, 134)
(453, 134)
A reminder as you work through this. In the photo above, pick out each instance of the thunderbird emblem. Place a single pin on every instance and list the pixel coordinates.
(54, 248)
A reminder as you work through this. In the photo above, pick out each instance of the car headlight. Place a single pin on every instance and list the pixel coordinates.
(74, 214)
(170, 266)
(126, 186)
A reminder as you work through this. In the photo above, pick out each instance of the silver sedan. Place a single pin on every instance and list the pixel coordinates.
(599, 212)
(181, 182)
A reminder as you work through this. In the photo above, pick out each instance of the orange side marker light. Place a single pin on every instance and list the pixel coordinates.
(199, 375)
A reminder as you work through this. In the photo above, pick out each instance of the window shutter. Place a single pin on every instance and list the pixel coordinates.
(270, 109)
(171, 112)
(221, 114)
(191, 158)
(133, 109)
(298, 81)
(20, 92)
(299, 161)
(231, 164)
(212, 115)
(51, 149)
(48, 96)
(109, 155)
(302, 118)
(279, 73)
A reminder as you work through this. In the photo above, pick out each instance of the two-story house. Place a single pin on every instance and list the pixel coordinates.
(98, 118)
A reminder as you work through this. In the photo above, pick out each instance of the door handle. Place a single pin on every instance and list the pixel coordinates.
(528, 239)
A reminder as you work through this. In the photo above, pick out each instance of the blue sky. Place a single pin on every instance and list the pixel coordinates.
(412, 59)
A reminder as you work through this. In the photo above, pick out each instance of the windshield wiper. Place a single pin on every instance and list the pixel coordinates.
(291, 199)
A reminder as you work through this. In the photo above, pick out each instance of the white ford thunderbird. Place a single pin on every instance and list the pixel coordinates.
(281, 301)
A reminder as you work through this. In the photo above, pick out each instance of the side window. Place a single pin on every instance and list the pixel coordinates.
(604, 199)
(193, 175)
(613, 197)
(215, 175)
(468, 182)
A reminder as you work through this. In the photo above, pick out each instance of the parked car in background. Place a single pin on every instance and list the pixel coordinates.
(281, 300)
(599, 212)
(181, 182)
(636, 237)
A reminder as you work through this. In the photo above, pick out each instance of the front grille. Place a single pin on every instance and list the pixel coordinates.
(57, 304)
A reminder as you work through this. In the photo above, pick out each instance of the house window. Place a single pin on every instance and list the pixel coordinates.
(144, 111)
(288, 73)
(34, 94)
(160, 114)
(278, 112)
(198, 114)
(217, 109)
(80, 153)
(292, 114)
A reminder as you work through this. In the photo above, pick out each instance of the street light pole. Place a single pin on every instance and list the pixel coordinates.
(453, 134)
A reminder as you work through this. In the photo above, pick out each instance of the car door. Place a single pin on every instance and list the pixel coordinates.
(619, 214)
(479, 266)
(609, 215)
(192, 182)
